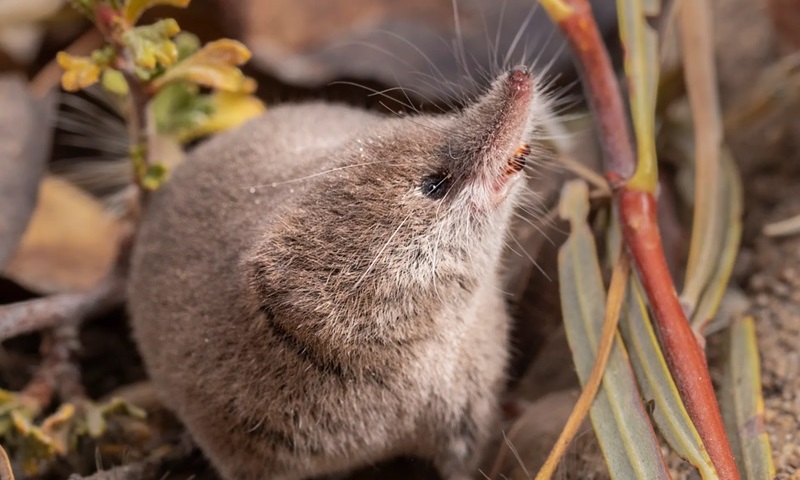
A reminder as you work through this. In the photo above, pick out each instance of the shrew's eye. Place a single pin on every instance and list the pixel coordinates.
(435, 186)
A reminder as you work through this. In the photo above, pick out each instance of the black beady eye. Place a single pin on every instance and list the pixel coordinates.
(435, 186)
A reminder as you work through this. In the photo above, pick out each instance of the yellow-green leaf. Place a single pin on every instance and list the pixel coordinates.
(187, 44)
(708, 224)
(95, 420)
(57, 427)
(79, 72)
(725, 240)
(741, 394)
(34, 445)
(133, 9)
(214, 66)
(114, 82)
(641, 66)
(154, 176)
(152, 45)
(228, 110)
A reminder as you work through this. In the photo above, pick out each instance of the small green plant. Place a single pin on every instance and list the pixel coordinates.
(169, 85)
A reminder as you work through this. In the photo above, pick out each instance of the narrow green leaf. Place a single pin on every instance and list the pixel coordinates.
(641, 66)
(741, 393)
(151, 44)
(727, 236)
(657, 385)
(213, 66)
(620, 420)
(154, 176)
(114, 82)
(708, 225)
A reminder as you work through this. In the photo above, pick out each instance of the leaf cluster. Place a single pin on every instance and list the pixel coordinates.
(160, 65)
(35, 440)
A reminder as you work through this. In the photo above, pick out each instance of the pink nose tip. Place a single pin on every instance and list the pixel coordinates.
(519, 74)
(519, 79)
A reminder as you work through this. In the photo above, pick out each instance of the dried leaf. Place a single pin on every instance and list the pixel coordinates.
(35, 447)
(741, 393)
(532, 434)
(5, 465)
(58, 428)
(70, 243)
(618, 415)
(79, 72)
(700, 78)
(133, 9)
(789, 226)
(24, 128)
(152, 45)
(214, 66)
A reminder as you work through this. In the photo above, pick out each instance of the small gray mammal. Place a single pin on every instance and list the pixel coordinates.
(319, 289)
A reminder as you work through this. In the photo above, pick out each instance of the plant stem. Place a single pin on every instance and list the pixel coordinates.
(683, 354)
(601, 84)
(640, 231)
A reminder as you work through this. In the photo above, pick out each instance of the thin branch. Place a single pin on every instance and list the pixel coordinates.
(64, 308)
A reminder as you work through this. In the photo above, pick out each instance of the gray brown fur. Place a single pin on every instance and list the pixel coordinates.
(313, 326)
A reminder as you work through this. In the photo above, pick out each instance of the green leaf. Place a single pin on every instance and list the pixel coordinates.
(228, 110)
(618, 415)
(154, 176)
(741, 395)
(640, 41)
(725, 239)
(79, 72)
(213, 66)
(709, 218)
(179, 106)
(113, 81)
(657, 385)
(151, 44)
(133, 9)
(187, 44)
(119, 406)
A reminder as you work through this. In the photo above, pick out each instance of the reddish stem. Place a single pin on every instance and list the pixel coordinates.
(602, 87)
(683, 354)
(640, 231)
